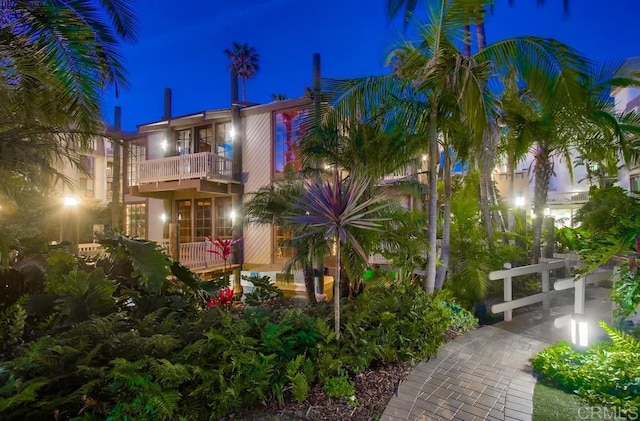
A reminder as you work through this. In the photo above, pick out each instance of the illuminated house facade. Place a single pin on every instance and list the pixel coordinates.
(193, 172)
(628, 99)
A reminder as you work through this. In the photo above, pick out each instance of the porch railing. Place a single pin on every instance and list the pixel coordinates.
(195, 255)
(192, 255)
(560, 198)
(185, 167)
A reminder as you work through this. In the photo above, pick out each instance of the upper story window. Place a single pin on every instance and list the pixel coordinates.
(634, 183)
(206, 141)
(224, 141)
(290, 127)
(184, 142)
(137, 154)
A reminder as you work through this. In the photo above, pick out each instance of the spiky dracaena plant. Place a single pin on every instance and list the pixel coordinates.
(334, 209)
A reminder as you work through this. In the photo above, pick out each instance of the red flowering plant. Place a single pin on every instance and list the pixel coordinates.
(224, 298)
(223, 247)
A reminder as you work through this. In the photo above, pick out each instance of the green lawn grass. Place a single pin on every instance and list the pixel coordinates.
(551, 404)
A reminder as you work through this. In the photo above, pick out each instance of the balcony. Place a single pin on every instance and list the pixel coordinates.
(203, 165)
(567, 198)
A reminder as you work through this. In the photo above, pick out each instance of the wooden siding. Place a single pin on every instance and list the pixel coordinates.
(256, 164)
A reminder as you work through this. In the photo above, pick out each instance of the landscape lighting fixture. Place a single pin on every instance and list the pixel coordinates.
(579, 330)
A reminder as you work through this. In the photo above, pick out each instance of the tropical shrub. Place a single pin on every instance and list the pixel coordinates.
(625, 292)
(130, 336)
(605, 374)
(392, 322)
(462, 320)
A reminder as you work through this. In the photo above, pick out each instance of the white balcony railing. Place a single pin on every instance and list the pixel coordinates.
(195, 255)
(192, 255)
(566, 198)
(185, 167)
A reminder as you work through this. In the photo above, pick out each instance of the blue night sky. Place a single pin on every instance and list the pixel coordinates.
(180, 45)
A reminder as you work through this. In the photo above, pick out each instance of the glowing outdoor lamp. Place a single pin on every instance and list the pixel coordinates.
(232, 215)
(579, 330)
(71, 201)
(519, 201)
(163, 217)
(232, 132)
(70, 223)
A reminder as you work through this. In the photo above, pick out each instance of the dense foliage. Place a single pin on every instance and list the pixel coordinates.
(130, 336)
(605, 374)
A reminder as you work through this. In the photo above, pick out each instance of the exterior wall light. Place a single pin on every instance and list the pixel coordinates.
(232, 133)
(519, 201)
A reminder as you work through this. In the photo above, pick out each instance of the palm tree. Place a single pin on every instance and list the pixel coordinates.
(334, 210)
(269, 206)
(435, 82)
(244, 59)
(58, 57)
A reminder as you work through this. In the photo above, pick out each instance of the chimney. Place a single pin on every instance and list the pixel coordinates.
(117, 118)
(167, 104)
(234, 86)
(316, 72)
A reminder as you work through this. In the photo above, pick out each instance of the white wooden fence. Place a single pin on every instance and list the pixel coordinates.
(544, 269)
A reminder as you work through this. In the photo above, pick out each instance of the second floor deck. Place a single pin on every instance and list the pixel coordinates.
(202, 165)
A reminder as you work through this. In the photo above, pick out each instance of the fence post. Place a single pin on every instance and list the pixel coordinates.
(579, 292)
(545, 290)
(508, 292)
(174, 242)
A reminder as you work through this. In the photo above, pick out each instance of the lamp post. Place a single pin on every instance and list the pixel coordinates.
(70, 223)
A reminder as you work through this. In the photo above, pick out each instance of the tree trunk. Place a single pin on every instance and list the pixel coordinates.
(543, 171)
(485, 168)
(308, 283)
(336, 290)
(115, 180)
(480, 36)
(446, 224)
(430, 280)
(467, 40)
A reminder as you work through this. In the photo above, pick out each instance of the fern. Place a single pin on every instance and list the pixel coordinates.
(12, 325)
(621, 340)
(168, 374)
(27, 393)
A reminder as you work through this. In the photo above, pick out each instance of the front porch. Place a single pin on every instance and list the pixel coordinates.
(193, 256)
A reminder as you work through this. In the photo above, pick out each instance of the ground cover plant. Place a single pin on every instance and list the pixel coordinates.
(606, 374)
(133, 335)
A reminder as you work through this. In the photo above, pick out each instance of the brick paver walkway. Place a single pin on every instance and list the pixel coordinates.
(485, 374)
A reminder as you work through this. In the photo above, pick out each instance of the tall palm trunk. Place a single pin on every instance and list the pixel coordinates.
(467, 40)
(115, 177)
(446, 224)
(336, 289)
(433, 201)
(309, 285)
(485, 161)
(543, 171)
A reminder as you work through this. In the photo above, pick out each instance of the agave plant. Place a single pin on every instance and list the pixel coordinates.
(334, 209)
